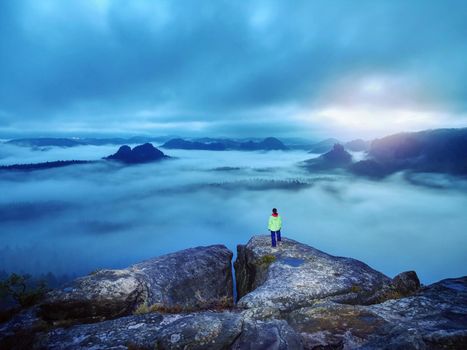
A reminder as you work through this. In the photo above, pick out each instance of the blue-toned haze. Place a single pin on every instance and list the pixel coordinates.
(239, 69)
(76, 219)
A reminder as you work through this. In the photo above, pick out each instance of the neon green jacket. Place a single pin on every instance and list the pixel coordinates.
(275, 223)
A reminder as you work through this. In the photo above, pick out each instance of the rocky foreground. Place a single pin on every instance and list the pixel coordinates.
(294, 297)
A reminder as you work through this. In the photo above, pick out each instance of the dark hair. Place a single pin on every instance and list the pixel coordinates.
(274, 210)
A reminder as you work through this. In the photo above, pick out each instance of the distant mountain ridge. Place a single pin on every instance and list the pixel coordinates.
(438, 151)
(194, 145)
(204, 143)
(73, 142)
(144, 153)
(357, 145)
(269, 143)
(45, 141)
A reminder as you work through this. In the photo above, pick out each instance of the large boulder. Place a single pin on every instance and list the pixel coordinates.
(434, 318)
(102, 294)
(296, 275)
(406, 283)
(190, 279)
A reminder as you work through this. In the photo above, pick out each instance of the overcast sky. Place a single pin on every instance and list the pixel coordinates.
(232, 68)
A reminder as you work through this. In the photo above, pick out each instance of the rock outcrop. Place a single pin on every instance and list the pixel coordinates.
(140, 154)
(337, 157)
(295, 297)
(297, 275)
(191, 279)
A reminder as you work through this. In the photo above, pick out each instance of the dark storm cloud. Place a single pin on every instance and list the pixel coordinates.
(90, 63)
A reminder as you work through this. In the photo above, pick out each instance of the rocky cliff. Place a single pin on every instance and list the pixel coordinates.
(298, 275)
(178, 281)
(293, 297)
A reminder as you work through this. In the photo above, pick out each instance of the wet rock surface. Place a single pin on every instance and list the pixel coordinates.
(194, 278)
(295, 297)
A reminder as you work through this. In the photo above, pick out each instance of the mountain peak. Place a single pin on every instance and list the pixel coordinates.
(140, 154)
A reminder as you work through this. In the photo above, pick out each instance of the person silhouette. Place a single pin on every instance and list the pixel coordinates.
(275, 225)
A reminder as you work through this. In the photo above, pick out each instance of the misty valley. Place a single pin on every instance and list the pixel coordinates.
(70, 220)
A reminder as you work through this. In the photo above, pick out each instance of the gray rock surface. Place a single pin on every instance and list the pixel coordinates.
(434, 318)
(207, 330)
(204, 330)
(295, 297)
(139, 331)
(190, 279)
(271, 335)
(295, 275)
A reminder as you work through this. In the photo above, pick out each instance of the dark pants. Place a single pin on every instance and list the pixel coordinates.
(273, 237)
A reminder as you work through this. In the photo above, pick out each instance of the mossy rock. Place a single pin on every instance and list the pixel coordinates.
(267, 260)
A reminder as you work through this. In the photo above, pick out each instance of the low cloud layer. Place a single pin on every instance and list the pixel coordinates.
(79, 218)
(227, 67)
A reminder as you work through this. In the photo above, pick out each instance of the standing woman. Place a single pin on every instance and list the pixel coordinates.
(275, 225)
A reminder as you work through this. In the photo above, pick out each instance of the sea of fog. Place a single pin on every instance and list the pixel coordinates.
(76, 219)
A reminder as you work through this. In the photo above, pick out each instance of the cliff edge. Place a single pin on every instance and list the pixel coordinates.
(293, 297)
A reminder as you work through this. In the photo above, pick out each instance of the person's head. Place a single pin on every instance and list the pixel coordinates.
(274, 210)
